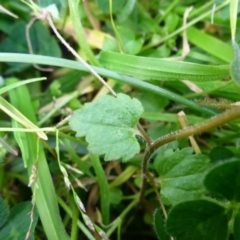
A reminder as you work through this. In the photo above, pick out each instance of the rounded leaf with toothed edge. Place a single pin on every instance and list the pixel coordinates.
(110, 126)
(181, 175)
(224, 179)
(198, 220)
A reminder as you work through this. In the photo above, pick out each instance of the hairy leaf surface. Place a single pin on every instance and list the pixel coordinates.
(224, 179)
(198, 220)
(181, 175)
(109, 125)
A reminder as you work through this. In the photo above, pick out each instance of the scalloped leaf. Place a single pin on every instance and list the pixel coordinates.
(181, 175)
(198, 220)
(109, 125)
(224, 179)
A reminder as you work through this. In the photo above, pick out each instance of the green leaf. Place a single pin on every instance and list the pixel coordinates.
(41, 40)
(45, 196)
(150, 104)
(60, 62)
(220, 154)
(45, 3)
(126, 10)
(116, 196)
(181, 175)
(159, 225)
(109, 44)
(210, 44)
(233, 16)
(4, 212)
(133, 46)
(235, 64)
(236, 228)
(146, 68)
(171, 22)
(103, 186)
(109, 125)
(225, 13)
(104, 5)
(18, 222)
(17, 84)
(198, 220)
(224, 179)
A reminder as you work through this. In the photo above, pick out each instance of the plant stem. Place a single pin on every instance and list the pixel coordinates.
(69, 211)
(119, 40)
(144, 135)
(182, 119)
(220, 119)
(167, 11)
(216, 121)
(122, 216)
(151, 179)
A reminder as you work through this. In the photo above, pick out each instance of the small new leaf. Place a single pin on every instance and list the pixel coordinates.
(109, 125)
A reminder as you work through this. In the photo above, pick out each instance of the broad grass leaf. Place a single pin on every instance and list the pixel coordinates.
(181, 175)
(109, 125)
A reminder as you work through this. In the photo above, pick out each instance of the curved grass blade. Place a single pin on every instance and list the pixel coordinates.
(27, 58)
(45, 195)
(18, 84)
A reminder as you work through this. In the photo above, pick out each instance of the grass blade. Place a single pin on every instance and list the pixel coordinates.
(19, 117)
(45, 195)
(104, 189)
(12, 57)
(17, 84)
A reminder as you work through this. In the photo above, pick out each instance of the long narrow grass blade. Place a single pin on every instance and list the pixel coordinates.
(11, 111)
(45, 195)
(17, 84)
(12, 57)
